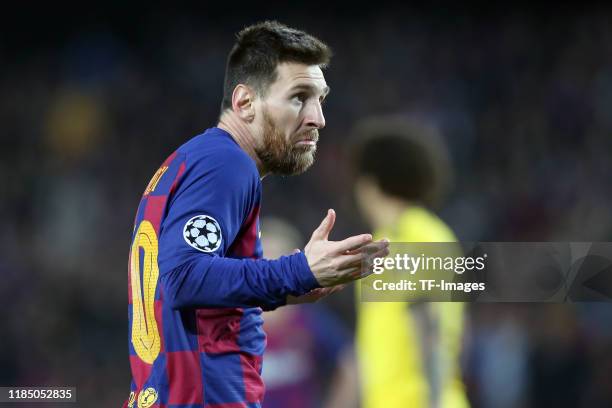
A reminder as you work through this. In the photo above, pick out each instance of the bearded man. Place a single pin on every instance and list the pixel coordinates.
(197, 281)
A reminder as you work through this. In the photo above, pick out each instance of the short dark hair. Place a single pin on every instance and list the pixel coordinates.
(260, 48)
(406, 158)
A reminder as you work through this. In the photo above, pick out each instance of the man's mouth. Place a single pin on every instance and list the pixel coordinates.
(308, 140)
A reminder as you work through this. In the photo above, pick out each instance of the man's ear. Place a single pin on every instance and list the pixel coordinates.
(243, 99)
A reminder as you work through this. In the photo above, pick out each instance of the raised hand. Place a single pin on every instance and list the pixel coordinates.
(337, 262)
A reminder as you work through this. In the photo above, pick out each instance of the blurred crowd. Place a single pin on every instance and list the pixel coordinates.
(524, 102)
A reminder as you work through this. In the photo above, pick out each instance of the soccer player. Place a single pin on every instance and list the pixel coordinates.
(408, 353)
(197, 285)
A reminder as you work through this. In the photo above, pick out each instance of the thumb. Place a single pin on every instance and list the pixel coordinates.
(323, 230)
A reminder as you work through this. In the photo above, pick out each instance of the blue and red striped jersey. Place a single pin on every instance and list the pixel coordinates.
(197, 283)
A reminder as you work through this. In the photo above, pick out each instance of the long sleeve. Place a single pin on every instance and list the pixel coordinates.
(211, 281)
(209, 238)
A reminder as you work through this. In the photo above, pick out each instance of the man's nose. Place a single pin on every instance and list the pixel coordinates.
(314, 116)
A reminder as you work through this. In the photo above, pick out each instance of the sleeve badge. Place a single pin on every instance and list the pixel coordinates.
(203, 233)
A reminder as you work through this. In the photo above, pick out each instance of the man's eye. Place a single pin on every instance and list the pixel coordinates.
(300, 97)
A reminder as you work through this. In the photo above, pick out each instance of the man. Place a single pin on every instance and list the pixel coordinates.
(197, 284)
(408, 353)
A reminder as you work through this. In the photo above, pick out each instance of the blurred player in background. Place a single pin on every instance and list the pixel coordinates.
(309, 359)
(408, 352)
(197, 284)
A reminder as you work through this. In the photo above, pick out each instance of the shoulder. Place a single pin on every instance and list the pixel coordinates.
(215, 154)
(418, 224)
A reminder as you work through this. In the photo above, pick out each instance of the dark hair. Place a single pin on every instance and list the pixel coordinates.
(260, 48)
(407, 159)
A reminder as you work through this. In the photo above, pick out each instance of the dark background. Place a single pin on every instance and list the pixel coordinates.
(93, 99)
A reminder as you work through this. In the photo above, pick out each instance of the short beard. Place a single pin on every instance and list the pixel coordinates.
(283, 157)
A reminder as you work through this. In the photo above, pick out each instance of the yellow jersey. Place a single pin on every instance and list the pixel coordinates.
(402, 365)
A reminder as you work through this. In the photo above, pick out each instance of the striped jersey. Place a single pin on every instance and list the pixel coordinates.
(197, 284)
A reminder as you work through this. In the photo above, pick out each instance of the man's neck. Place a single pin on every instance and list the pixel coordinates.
(389, 211)
(242, 135)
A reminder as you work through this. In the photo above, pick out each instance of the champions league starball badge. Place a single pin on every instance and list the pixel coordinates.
(203, 233)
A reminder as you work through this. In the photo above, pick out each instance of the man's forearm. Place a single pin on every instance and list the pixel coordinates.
(208, 281)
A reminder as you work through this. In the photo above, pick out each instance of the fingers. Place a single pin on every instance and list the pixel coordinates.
(353, 243)
(323, 230)
(348, 261)
(358, 266)
(363, 261)
(365, 250)
(337, 288)
(360, 249)
(323, 292)
(365, 256)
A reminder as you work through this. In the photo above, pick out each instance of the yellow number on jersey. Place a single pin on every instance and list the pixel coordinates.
(145, 334)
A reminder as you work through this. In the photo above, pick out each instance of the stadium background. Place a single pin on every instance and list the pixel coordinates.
(94, 98)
